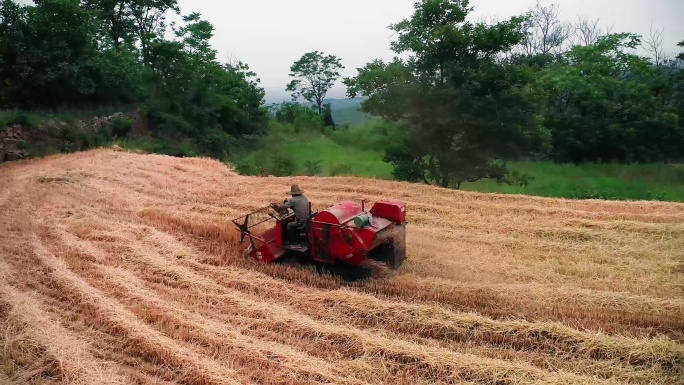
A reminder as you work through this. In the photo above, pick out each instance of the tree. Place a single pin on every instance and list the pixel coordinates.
(328, 120)
(299, 115)
(546, 33)
(14, 29)
(223, 101)
(117, 17)
(80, 53)
(610, 105)
(587, 32)
(463, 111)
(149, 18)
(314, 74)
(653, 44)
(49, 51)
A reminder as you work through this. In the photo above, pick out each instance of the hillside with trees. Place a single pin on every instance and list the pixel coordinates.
(71, 54)
(474, 95)
(462, 101)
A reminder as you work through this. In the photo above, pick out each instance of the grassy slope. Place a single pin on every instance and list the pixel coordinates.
(362, 162)
(336, 151)
(360, 148)
(601, 181)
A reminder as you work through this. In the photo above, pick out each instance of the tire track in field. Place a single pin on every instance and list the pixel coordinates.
(121, 320)
(178, 277)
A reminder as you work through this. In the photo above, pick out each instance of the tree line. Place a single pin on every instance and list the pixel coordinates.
(83, 53)
(472, 95)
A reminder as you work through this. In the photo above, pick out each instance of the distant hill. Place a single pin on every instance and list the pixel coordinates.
(345, 110)
(348, 111)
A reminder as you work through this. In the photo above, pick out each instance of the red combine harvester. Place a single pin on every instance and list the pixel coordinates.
(343, 236)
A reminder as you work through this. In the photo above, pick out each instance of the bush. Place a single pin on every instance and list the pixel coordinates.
(313, 167)
(584, 193)
(217, 144)
(121, 127)
(301, 117)
(8, 118)
(183, 149)
(163, 123)
(340, 169)
(656, 197)
(74, 139)
(370, 136)
(247, 169)
(282, 165)
(522, 179)
(102, 136)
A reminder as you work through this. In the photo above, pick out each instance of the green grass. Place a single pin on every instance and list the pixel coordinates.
(336, 153)
(11, 117)
(595, 181)
(330, 156)
(358, 151)
(33, 118)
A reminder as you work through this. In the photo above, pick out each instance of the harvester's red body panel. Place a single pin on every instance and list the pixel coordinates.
(392, 210)
(340, 239)
(265, 248)
(339, 213)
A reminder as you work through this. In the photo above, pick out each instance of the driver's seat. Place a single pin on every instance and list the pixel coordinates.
(303, 229)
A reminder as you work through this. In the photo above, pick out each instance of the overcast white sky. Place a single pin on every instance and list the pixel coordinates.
(270, 35)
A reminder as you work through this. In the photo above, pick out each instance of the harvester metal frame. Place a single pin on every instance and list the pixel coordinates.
(329, 243)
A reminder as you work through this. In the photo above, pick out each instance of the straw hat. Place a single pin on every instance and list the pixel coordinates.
(294, 190)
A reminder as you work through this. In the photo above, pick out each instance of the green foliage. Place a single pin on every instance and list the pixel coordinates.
(73, 54)
(217, 144)
(245, 168)
(313, 167)
(522, 179)
(121, 127)
(610, 105)
(47, 53)
(298, 115)
(467, 103)
(313, 75)
(594, 181)
(376, 135)
(23, 118)
(183, 148)
(348, 112)
(309, 148)
(342, 152)
(327, 117)
(340, 169)
(446, 93)
(470, 100)
(282, 165)
(101, 136)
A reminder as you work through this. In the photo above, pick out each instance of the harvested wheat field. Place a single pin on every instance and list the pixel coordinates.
(120, 268)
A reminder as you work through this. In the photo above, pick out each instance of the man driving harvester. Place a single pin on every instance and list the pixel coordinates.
(299, 204)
